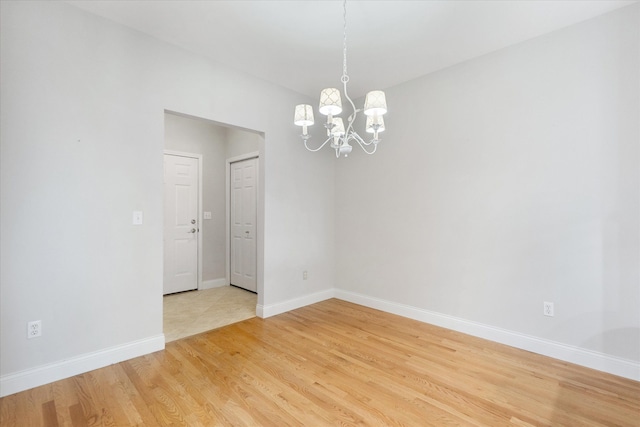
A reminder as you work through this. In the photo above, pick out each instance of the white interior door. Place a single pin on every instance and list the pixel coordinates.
(181, 177)
(243, 216)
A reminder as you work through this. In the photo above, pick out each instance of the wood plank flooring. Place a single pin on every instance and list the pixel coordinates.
(332, 363)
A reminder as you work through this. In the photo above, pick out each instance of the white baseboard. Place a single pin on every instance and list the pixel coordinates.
(579, 356)
(265, 311)
(215, 283)
(24, 380)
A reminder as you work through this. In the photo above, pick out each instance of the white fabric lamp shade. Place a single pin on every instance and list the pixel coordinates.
(375, 103)
(372, 121)
(338, 128)
(330, 102)
(303, 115)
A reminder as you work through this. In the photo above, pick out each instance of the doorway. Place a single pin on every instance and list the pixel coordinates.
(217, 145)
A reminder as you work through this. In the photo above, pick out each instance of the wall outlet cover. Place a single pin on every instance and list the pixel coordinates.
(137, 218)
(34, 329)
(547, 309)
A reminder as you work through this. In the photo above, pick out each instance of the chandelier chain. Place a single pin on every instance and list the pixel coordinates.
(345, 76)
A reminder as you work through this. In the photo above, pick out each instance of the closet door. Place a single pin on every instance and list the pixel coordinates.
(243, 216)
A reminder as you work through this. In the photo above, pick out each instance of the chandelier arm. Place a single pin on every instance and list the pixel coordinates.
(319, 148)
(356, 137)
(352, 118)
(364, 145)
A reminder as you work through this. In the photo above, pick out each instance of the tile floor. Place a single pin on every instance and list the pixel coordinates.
(190, 313)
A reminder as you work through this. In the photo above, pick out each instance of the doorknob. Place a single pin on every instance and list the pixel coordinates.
(193, 230)
(193, 221)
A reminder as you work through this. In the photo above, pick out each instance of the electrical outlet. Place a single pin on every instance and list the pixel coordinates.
(548, 309)
(34, 329)
(304, 275)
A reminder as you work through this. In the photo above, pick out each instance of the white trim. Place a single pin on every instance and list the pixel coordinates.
(245, 156)
(265, 311)
(24, 380)
(215, 283)
(200, 192)
(241, 157)
(579, 356)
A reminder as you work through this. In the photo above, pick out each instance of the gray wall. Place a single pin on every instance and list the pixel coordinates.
(82, 139)
(241, 142)
(506, 181)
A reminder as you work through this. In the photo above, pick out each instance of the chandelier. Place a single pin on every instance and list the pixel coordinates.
(375, 106)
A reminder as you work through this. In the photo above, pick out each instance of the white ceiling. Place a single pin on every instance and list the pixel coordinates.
(298, 44)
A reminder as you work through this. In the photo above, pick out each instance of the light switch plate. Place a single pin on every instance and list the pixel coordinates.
(207, 215)
(137, 218)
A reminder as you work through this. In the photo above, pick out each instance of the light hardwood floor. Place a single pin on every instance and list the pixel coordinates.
(332, 363)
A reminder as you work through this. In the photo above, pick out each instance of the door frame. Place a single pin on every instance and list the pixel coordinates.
(199, 158)
(246, 156)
